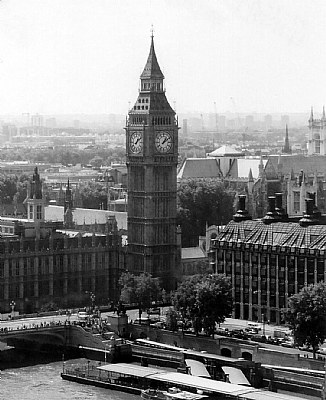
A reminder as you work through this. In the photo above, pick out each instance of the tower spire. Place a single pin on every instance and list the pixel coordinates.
(286, 148)
(311, 115)
(152, 69)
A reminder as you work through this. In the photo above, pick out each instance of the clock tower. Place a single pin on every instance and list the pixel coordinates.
(152, 157)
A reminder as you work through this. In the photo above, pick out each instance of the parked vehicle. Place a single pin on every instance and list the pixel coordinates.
(258, 338)
(154, 310)
(82, 316)
(239, 334)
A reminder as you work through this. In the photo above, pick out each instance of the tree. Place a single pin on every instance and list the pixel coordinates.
(93, 194)
(171, 320)
(306, 316)
(205, 300)
(214, 301)
(184, 300)
(141, 289)
(202, 202)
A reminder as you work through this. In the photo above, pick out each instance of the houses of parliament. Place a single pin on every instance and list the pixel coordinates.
(274, 246)
(44, 260)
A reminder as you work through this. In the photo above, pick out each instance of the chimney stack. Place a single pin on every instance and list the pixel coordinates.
(242, 214)
(280, 211)
(309, 218)
(271, 215)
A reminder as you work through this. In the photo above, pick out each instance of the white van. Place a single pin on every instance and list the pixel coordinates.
(82, 316)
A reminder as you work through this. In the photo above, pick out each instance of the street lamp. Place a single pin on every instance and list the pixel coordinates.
(12, 305)
(263, 320)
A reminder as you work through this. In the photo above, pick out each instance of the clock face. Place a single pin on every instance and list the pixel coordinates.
(163, 141)
(136, 142)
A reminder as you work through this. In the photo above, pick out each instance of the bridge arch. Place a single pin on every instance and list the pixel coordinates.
(246, 355)
(225, 352)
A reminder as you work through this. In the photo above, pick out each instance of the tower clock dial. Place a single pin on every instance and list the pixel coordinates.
(163, 141)
(136, 142)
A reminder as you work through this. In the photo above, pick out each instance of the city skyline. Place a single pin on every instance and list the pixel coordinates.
(86, 56)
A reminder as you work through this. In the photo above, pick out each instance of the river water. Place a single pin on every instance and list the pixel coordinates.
(44, 382)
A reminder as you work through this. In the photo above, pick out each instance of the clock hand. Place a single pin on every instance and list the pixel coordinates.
(165, 139)
(137, 140)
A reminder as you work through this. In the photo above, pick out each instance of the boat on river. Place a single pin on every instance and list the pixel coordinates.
(134, 379)
(172, 393)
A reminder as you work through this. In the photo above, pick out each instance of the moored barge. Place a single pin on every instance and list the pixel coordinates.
(133, 378)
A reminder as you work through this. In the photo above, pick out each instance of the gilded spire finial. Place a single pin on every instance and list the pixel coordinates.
(152, 31)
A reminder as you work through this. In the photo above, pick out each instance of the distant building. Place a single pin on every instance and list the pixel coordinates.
(317, 134)
(184, 127)
(285, 120)
(9, 131)
(268, 121)
(249, 121)
(51, 122)
(221, 122)
(37, 120)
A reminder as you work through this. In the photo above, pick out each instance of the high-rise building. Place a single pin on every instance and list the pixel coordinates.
(37, 120)
(51, 122)
(285, 120)
(184, 127)
(8, 131)
(268, 121)
(152, 157)
(249, 121)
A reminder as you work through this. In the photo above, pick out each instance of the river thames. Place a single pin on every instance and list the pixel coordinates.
(44, 382)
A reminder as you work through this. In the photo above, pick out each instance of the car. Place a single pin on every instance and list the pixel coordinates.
(252, 331)
(158, 324)
(238, 334)
(142, 321)
(258, 338)
(82, 316)
(287, 343)
(154, 310)
(222, 331)
(254, 325)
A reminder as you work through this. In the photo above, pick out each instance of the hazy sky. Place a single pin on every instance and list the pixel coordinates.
(86, 56)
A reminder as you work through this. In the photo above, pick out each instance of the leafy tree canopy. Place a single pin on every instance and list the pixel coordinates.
(306, 316)
(205, 300)
(171, 320)
(94, 194)
(140, 289)
(13, 188)
(202, 202)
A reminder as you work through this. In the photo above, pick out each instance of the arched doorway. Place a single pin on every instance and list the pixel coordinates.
(226, 352)
(247, 356)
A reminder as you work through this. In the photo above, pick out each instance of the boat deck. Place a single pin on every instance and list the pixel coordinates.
(133, 378)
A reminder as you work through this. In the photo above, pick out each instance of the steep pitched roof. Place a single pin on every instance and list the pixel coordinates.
(87, 215)
(191, 253)
(289, 234)
(152, 68)
(247, 164)
(225, 151)
(298, 162)
(199, 168)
